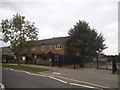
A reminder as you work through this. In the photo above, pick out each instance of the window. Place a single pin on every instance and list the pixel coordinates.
(32, 48)
(50, 47)
(42, 47)
(58, 47)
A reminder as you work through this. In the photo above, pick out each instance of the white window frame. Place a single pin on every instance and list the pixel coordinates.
(58, 46)
(42, 47)
(33, 49)
(51, 47)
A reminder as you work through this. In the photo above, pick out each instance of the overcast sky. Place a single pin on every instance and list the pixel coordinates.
(54, 18)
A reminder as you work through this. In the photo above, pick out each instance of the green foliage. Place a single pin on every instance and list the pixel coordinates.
(84, 40)
(18, 32)
(44, 57)
(7, 57)
(29, 57)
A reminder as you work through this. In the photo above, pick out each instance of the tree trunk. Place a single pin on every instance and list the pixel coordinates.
(18, 60)
(97, 62)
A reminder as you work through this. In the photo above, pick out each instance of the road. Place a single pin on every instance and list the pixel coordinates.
(15, 79)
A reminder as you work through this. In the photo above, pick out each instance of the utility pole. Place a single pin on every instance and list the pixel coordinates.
(97, 62)
(98, 56)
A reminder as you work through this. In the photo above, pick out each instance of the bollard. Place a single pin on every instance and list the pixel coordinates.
(74, 66)
(114, 67)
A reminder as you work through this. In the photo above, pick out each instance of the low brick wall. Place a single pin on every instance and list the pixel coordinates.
(38, 61)
(43, 62)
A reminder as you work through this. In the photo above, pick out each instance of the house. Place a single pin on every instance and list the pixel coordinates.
(5, 50)
(56, 45)
(6, 54)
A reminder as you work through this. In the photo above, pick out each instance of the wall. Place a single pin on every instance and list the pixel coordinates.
(50, 48)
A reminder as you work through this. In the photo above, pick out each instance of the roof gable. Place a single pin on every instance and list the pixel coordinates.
(59, 40)
(5, 50)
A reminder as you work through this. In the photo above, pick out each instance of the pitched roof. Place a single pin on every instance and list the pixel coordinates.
(5, 50)
(58, 40)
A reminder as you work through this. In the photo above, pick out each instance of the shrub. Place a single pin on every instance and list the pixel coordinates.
(44, 57)
(7, 57)
(29, 57)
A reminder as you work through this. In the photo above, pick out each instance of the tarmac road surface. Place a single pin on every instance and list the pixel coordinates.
(14, 79)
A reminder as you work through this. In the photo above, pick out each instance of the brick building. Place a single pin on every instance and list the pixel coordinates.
(55, 45)
(6, 54)
(5, 50)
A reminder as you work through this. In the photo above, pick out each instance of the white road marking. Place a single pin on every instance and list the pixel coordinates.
(28, 72)
(57, 79)
(82, 82)
(11, 69)
(36, 74)
(56, 73)
(1, 86)
(43, 75)
(19, 71)
(82, 85)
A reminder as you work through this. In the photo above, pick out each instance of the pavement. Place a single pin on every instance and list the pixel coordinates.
(100, 78)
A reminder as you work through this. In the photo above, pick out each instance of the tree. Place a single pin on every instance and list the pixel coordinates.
(84, 40)
(19, 32)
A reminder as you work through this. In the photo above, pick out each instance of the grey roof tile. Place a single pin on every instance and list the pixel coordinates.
(58, 40)
(6, 50)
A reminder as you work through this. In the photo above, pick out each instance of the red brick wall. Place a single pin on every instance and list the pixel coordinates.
(51, 48)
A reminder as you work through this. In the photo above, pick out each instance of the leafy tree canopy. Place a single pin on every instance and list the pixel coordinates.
(19, 32)
(84, 40)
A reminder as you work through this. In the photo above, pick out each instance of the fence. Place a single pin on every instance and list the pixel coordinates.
(64, 60)
(43, 62)
(70, 60)
(85, 61)
(110, 63)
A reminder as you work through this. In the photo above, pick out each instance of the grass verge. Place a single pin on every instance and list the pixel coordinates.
(25, 68)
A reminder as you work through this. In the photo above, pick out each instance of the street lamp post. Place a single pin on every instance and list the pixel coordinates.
(97, 62)
(98, 59)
